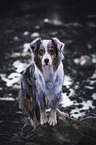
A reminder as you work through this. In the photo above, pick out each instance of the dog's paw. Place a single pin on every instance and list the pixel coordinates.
(65, 114)
(62, 113)
(43, 118)
(52, 119)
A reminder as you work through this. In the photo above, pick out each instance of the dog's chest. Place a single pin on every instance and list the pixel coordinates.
(51, 85)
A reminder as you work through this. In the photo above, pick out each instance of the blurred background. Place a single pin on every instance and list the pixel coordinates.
(74, 23)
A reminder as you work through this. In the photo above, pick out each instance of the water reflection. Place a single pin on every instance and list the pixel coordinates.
(7, 99)
(57, 22)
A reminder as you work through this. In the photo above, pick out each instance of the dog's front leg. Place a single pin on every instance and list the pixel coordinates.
(52, 119)
(43, 117)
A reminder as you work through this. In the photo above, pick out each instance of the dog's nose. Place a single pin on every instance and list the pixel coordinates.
(46, 61)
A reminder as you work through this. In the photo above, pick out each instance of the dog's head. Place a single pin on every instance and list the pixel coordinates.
(47, 53)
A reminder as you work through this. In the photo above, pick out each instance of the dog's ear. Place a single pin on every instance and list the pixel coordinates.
(34, 44)
(58, 44)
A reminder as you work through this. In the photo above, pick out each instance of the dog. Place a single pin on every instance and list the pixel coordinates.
(42, 80)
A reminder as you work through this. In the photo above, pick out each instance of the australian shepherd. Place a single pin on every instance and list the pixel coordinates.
(41, 85)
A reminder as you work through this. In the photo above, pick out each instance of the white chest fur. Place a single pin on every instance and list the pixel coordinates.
(50, 83)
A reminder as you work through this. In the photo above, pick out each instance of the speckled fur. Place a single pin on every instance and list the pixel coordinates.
(41, 86)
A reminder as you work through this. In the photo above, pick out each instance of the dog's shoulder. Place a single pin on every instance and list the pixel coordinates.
(28, 86)
(29, 71)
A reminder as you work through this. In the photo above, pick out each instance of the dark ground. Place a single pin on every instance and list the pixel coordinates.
(77, 31)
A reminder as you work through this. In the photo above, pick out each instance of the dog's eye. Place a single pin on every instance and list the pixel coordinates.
(52, 52)
(41, 52)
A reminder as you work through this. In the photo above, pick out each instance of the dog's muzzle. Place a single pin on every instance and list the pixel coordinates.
(47, 60)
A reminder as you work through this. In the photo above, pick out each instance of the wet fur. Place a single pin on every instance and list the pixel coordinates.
(41, 89)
